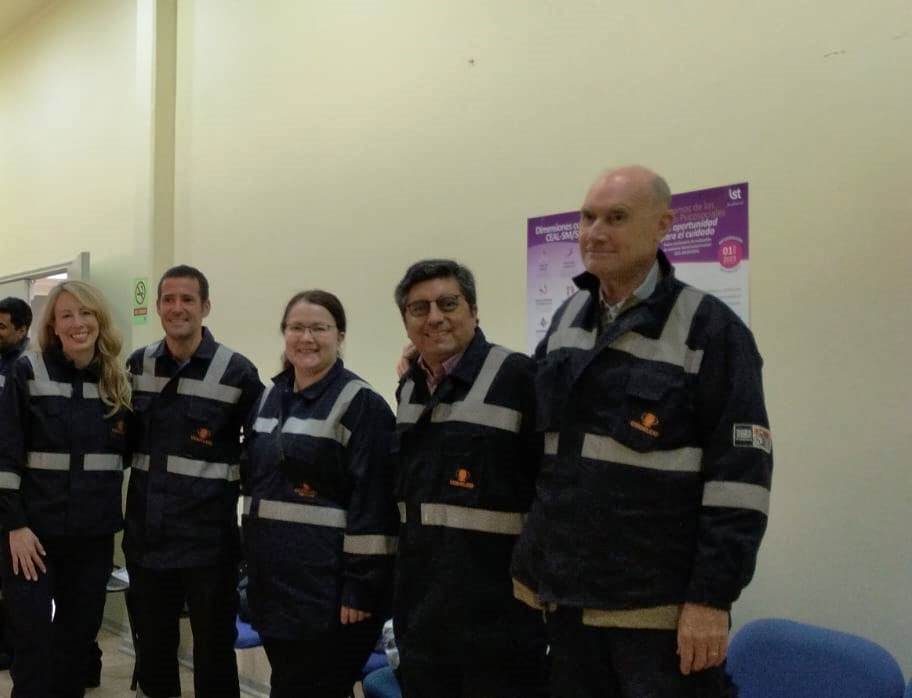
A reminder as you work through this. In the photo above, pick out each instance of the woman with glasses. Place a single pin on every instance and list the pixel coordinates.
(319, 516)
(62, 444)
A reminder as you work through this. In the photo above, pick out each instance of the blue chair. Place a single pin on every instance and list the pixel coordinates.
(247, 636)
(908, 693)
(381, 684)
(784, 659)
(377, 660)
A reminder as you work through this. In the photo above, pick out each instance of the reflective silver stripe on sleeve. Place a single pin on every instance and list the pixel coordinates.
(370, 545)
(48, 461)
(203, 469)
(90, 391)
(147, 381)
(140, 462)
(401, 507)
(301, 513)
(265, 425)
(2, 381)
(102, 461)
(671, 347)
(9, 481)
(567, 337)
(552, 440)
(604, 448)
(473, 409)
(42, 385)
(407, 413)
(466, 518)
(737, 495)
(211, 386)
(245, 505)
(331, 427)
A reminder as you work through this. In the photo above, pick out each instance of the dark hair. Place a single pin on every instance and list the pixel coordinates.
(18, 310)
(428, 269)
(314, 296)
(184, 271)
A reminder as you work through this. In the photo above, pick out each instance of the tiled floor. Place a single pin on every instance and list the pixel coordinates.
(117, 669)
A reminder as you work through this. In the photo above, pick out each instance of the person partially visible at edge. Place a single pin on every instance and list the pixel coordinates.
(191, 396)
(654, 489)
(320, 521)
(63, 441)
(15, 320)
(467, 457)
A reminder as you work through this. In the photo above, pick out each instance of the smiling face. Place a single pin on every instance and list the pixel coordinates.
(181, 309)
(622, 223)
(76, 326)
(312, 340)
(438, 335)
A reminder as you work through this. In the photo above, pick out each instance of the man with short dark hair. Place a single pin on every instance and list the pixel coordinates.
(15, 320)
(190, 398)
(467, 460)
(654, 489)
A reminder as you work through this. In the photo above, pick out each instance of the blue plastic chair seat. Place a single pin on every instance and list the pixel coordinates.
(785, 659)
(247, 636)
(381, 684)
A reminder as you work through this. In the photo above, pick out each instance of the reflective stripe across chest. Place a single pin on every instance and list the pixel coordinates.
(671, 346)
(330, 427)
(210, 387)
(472, 409)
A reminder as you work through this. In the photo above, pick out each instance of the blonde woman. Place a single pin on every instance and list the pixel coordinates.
(63, 418)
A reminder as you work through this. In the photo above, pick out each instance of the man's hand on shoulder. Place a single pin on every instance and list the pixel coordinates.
(702, 637)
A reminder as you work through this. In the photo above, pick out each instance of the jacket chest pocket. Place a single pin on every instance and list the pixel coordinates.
(50, 422)
(314, 469)
(552, 381)
(658, 408)
(476, 469)
(205, 421)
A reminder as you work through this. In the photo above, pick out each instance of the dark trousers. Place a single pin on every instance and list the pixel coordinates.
(589, 662)
(325, 665)
(525, 677)
(156, 600)
(51, 656)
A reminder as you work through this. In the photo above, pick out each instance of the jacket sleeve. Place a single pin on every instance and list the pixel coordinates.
(14, 425)
(370, 541)
(737, 467)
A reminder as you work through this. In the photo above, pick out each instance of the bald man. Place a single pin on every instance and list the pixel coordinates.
(653, 494)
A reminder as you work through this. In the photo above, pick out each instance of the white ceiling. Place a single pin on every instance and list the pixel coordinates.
(14, 12)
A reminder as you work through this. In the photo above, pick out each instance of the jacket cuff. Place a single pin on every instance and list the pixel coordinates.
(358, 595)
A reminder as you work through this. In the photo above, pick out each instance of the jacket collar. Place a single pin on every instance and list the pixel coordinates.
(465, 371)
(16, 350)
(590, 282)
(206, 349)
(285, 382)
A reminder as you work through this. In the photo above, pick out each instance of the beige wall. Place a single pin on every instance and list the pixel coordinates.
(330, 144)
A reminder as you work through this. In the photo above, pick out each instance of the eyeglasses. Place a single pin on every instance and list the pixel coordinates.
(445, 304)
(317, 330)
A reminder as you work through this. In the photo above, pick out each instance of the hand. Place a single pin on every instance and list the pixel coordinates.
(352, 615)
(409, 352)
(702, 637)
(26, 552)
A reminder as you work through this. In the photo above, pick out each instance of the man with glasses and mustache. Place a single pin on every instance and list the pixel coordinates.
(467, 460)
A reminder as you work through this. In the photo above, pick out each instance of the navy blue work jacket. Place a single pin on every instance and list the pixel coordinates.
(8, 358)
(654, 488)
(320, 520)
(467, 459)
(184, 485)
(61, 457)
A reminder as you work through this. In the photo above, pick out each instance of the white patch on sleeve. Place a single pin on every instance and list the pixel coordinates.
(752, 436)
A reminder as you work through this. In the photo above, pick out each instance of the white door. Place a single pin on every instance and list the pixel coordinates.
(16, 289)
